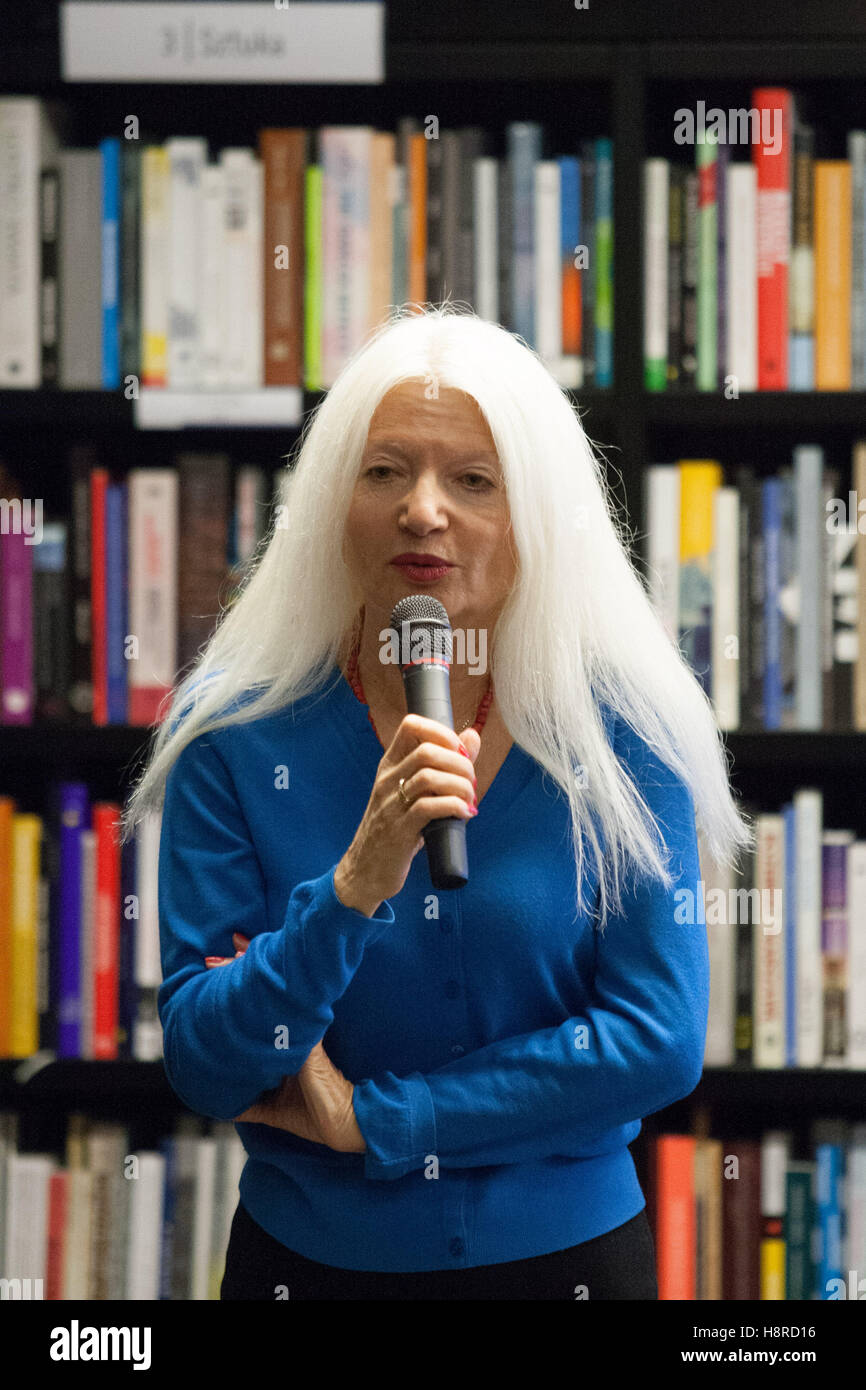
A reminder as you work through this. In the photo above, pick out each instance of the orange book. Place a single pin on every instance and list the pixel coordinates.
(106, 930)
(773, 170)
(832, 184)
(7, 810)
(417, 219)
(98, 606)
(675, 1216)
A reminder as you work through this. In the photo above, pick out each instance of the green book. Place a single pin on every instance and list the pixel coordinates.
(798, 1222)
(313, 177)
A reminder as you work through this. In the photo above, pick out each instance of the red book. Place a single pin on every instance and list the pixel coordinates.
(99, 629)
(58, 1189)
(772, 159)
(106, 930)
(675, 1216)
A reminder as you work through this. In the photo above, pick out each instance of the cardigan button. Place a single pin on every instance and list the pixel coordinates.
(456, 1246)
(457, 1050)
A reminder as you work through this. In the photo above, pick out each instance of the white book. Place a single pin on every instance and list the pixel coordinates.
(213, 266)
(243, 319)
(662, 511)
(809, 993)
(656, 182)
(77, 1250)
(809, 520)
(88, 928)
(106, 1146)
(741, 274)
(345, 159)
(28, 143)
(485, 201)
(202, 1221)
(854, 1225)
(187, 157)
(547, 232)
(722, 945)
(28, 1178)
(153, 528)
(857, 957)
(147, 1032)
(154, 245)
(768, 989)
(144, 1248)
(725, 618)
(775, 1152)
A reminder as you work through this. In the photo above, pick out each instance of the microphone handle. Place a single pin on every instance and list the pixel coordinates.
(428, 693)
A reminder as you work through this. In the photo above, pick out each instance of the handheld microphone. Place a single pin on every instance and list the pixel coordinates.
(425, 664)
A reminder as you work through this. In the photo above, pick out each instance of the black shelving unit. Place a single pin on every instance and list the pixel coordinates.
(606, 70)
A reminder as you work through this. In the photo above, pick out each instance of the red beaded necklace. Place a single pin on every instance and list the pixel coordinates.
(354, 676)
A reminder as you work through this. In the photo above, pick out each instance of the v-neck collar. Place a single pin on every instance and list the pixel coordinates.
(353, 722)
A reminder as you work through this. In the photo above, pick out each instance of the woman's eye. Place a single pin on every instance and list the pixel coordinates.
(478, 486)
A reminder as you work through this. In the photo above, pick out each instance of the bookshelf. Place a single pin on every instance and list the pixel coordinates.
(609, 69)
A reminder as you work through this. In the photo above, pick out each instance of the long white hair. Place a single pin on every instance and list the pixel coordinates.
(576, 630)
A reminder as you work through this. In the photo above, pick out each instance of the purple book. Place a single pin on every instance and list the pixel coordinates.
(74, 804)
(16, 621)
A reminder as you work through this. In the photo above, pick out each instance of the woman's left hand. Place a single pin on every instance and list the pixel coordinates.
(317, 1104)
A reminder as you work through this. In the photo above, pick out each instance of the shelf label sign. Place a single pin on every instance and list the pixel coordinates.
(280, 41)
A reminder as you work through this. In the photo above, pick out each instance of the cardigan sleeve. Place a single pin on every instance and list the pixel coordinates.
(637, 1047)
(232, 1033)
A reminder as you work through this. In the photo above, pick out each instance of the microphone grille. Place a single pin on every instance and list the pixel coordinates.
(426, 611)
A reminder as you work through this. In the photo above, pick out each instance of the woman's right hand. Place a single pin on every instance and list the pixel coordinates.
(439, 782)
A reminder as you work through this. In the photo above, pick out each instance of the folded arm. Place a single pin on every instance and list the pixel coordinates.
(637, 1047)
(232, 1034)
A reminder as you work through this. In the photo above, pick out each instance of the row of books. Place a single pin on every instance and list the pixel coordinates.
(787, 943)
(107, 1223)
(100, 611)
(755, 269)
(761, 582)
(269, 266)
(744, 1219)
(80, 965)
(79, 937)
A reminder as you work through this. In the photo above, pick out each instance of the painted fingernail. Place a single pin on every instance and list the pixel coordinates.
(214, 960)
(473, 810)
(463, 751)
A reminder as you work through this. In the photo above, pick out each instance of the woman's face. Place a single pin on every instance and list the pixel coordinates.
(430, 482)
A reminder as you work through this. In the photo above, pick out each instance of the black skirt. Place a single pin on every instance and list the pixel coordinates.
(619, 1264)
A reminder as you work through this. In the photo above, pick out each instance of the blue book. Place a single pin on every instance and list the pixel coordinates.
(604, 262)
(523, 143)
(74, 817)
(110, 150)
(771, 498)
(790, 929)
(116, 584)
(830, 1160)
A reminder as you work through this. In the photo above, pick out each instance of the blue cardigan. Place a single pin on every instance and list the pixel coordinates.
(502, 1051)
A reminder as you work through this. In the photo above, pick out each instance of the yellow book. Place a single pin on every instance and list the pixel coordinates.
(699, 480)
(7, 809)
(155, 211)
(772, 1268)
(832, 185)
(708, 1164)
(26, 841)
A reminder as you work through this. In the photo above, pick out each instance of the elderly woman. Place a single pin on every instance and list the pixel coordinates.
(437, 1091)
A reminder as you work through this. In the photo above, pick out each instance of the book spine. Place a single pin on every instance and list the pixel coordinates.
(106, 924)
(49, 290)
(604, 263)
(110, 299)
(774, 238)
(706, 164)
(16, 626)
(656, 302)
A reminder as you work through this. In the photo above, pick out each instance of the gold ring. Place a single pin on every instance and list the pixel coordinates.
(403, 796)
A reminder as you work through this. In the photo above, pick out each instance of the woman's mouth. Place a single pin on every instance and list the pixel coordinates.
(421, 573)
